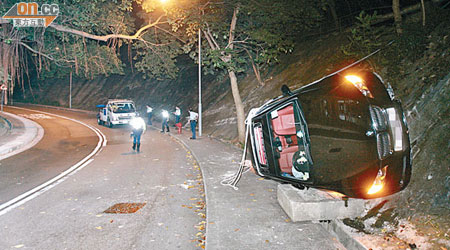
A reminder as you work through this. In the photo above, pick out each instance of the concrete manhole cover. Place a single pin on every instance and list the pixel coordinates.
(124, 208)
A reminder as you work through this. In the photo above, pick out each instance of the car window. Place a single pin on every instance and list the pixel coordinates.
(124, 108)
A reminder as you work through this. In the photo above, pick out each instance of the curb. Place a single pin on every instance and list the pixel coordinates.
(337, 228)
(203, 175)
(26, 144)
(7, 128)
(7, 121)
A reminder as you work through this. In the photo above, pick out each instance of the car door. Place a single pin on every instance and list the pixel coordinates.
(280, 143)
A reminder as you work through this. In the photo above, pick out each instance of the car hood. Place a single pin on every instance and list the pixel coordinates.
(342, 143)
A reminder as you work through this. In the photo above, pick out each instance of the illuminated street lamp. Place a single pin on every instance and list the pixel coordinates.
(199, 83)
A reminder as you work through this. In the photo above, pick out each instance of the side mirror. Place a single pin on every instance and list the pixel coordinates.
(286, 91)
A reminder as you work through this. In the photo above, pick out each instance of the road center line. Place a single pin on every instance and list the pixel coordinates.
(33, 193)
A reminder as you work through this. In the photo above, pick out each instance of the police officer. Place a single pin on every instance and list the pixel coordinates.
(149, 114)
(193, 116)
(165, 121)
(177, 114)
(138, 127)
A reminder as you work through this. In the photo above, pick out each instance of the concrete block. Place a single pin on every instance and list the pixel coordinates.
(315, 205)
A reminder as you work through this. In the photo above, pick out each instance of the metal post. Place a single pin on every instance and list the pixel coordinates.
(70, 90)
(3, 93)
(199, 83)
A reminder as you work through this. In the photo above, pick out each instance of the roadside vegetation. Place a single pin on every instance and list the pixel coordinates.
(416, 63)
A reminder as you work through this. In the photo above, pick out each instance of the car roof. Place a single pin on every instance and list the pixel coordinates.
(119, 100)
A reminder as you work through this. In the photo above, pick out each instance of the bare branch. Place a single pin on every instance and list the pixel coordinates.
(170, 33)
(233, 27)
(42, 54)
(237, 42)
(105, 37)
(255, 68)
(210, 41)
(216, 45)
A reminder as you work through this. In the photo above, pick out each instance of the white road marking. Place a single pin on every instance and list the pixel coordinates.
(33, 193)
(36, 116)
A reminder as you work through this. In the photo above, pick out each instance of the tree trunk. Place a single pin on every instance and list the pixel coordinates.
(257, 74)
(233, 81)
(397, 16)
(332, 6)
(4, 56)
(423, 12)
(255, 69)
(239, 106)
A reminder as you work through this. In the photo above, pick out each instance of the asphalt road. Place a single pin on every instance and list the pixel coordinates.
(69, 214)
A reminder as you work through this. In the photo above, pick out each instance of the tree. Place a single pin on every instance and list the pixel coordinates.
(250, 34)
(87, 38)
(397, 16)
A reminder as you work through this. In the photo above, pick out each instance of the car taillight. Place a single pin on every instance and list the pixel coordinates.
(259, 139)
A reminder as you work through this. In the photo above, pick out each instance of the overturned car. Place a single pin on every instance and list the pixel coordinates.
(344, 133)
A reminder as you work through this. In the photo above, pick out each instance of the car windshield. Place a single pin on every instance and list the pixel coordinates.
(123, 107)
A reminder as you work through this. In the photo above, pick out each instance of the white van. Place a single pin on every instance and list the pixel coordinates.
(116, 112)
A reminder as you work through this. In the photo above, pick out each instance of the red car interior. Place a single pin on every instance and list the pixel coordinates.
(284, 128)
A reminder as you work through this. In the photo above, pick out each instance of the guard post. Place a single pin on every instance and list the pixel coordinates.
(3, 88)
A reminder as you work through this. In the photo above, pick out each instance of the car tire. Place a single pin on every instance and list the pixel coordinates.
(110, 125)
(99, 121)
(299, 186)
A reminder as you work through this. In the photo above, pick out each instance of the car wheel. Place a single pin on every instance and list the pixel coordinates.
(99, 122)
(110, 125)
(299, 186)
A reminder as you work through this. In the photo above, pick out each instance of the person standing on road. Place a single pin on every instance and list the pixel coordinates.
(193, 116)
(149, 114)
(138, 128)
(165, 120)
(177, 114)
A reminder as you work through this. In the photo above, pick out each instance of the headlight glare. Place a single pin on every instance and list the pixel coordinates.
(378, 183)
(359, 83)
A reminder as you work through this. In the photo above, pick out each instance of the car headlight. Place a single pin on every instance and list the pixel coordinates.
(378, 183)
(359, 83)
(137, 123)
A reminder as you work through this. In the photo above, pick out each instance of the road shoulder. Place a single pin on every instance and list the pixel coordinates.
(24, 134)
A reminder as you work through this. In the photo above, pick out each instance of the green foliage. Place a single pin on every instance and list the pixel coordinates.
(57, 53)
(364, 38)
(157, 61)
(417, 42)
(264, 31)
